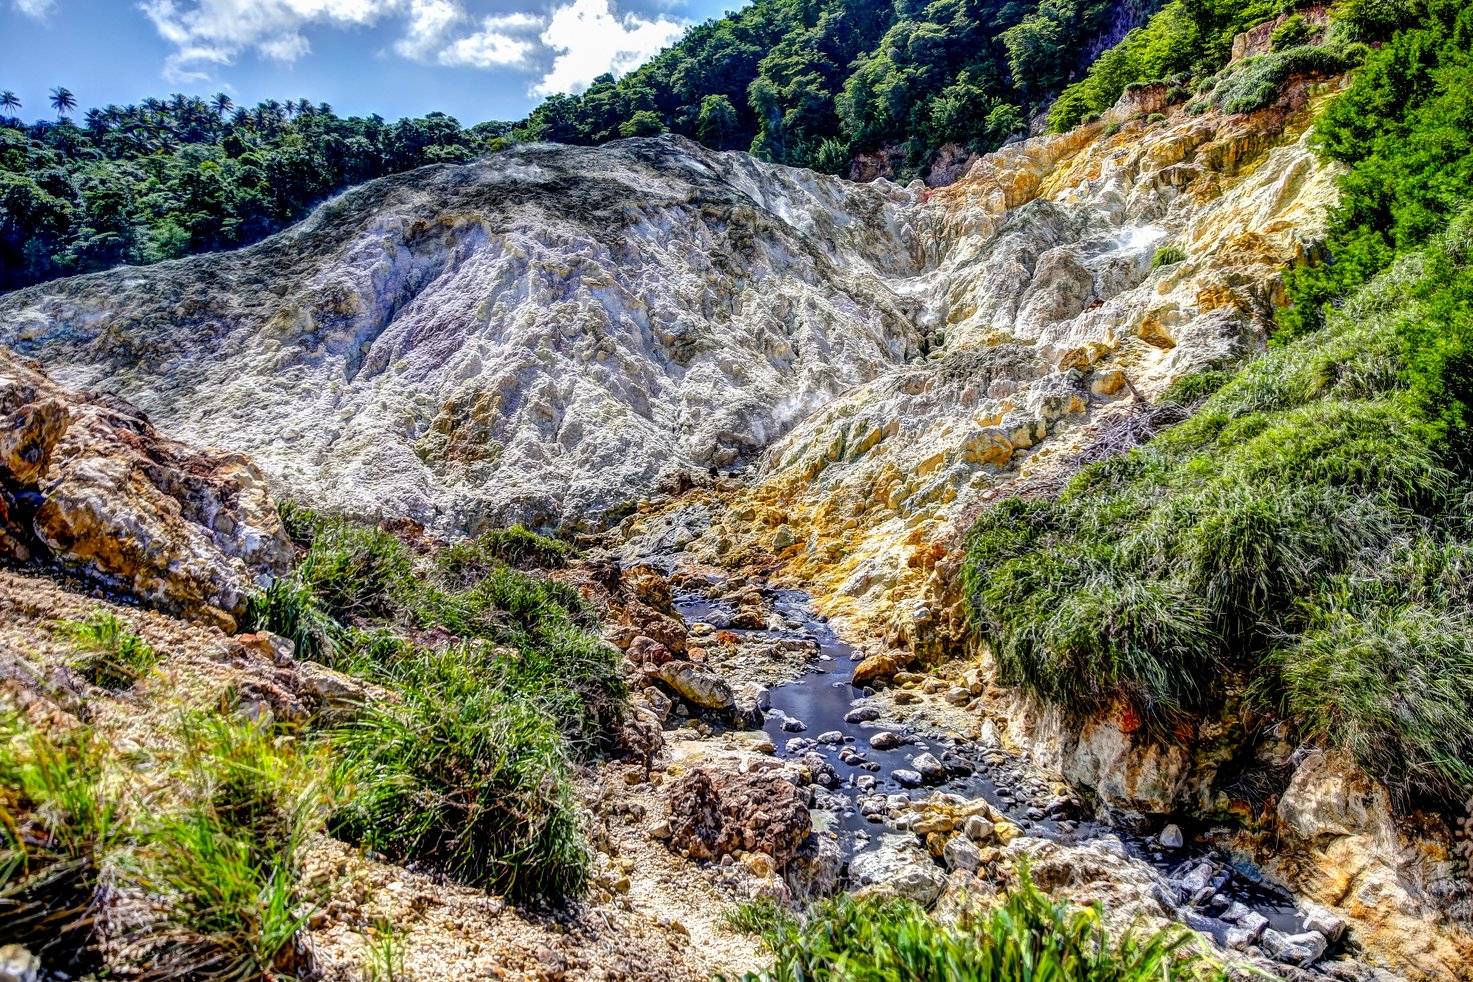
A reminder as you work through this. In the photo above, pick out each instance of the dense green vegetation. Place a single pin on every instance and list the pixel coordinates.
(137, 184)
(222, 849)
(459, 761)
(1186, 39)
(1404, 130)
(469, 769)
(1028, 936)
(1304, 536)
(813, 82)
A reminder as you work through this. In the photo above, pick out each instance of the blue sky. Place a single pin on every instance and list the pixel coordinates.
(474, 59)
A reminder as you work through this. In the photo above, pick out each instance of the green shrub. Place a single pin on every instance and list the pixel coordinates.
(1198, 108)
(356, 571)
(1402, 131)
(299, 521)
(1191, 389)
(1292, 33)
(467, 562)
(1028, 937)
(113, 655)
(1111, 128)
(1168, 256)
(1254, 83)
(1155, 118)
(1089, 118)
(1177, 93)
(1391, 681)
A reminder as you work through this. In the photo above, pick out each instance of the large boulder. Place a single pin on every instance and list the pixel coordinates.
(87, 483)
(898, 867)
(715, 814)
(705, 690)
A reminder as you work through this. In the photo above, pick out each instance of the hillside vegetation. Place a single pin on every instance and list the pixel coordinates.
(163, 179)
(457, 761)
(1304, 537)
(813, 84)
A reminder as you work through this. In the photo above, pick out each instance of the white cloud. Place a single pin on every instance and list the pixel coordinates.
(34, 8)
(429, 22)
(496, 44)
(216, 32)
(582, 39)
(590, 40)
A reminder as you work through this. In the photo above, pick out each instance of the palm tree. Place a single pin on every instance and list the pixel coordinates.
(222, 104)
(62, 101)
(97, 122)
(8, 101)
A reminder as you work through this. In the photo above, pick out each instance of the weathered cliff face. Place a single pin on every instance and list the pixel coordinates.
(1053, 320)
(537, 336)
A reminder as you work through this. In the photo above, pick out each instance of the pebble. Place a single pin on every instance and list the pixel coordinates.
(862, 714)
(1172, 838)
(794, 725)
(885, 740)
(906, 778)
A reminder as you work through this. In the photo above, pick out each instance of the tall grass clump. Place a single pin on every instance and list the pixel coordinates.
(517, 546)
(1303, 535)
(288, 607)
(111, 654)
(470, 774)
(58, 820)
(467, 770)
(1028, 936)
(226, 860)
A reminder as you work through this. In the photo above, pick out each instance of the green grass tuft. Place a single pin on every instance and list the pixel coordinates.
(57, 822)
(1168, 256)
(113, 655)
(1028, 937)
(227, 860)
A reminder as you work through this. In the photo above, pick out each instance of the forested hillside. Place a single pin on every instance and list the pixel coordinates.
(812, 83)
(138, 184)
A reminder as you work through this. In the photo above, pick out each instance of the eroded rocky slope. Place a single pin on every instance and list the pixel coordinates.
(538, 336)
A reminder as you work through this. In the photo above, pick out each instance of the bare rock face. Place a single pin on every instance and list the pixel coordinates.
(87, 483)
(536, 336)
(1341, 846)
(714, 814)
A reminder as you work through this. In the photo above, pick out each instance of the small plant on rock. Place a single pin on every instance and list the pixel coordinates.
(1168, 256)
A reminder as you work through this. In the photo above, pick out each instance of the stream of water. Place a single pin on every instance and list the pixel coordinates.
(808, 715)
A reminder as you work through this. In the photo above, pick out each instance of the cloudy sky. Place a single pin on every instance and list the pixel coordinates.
(475, 59)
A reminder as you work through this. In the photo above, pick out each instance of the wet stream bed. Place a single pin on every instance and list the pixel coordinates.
(820, 712)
